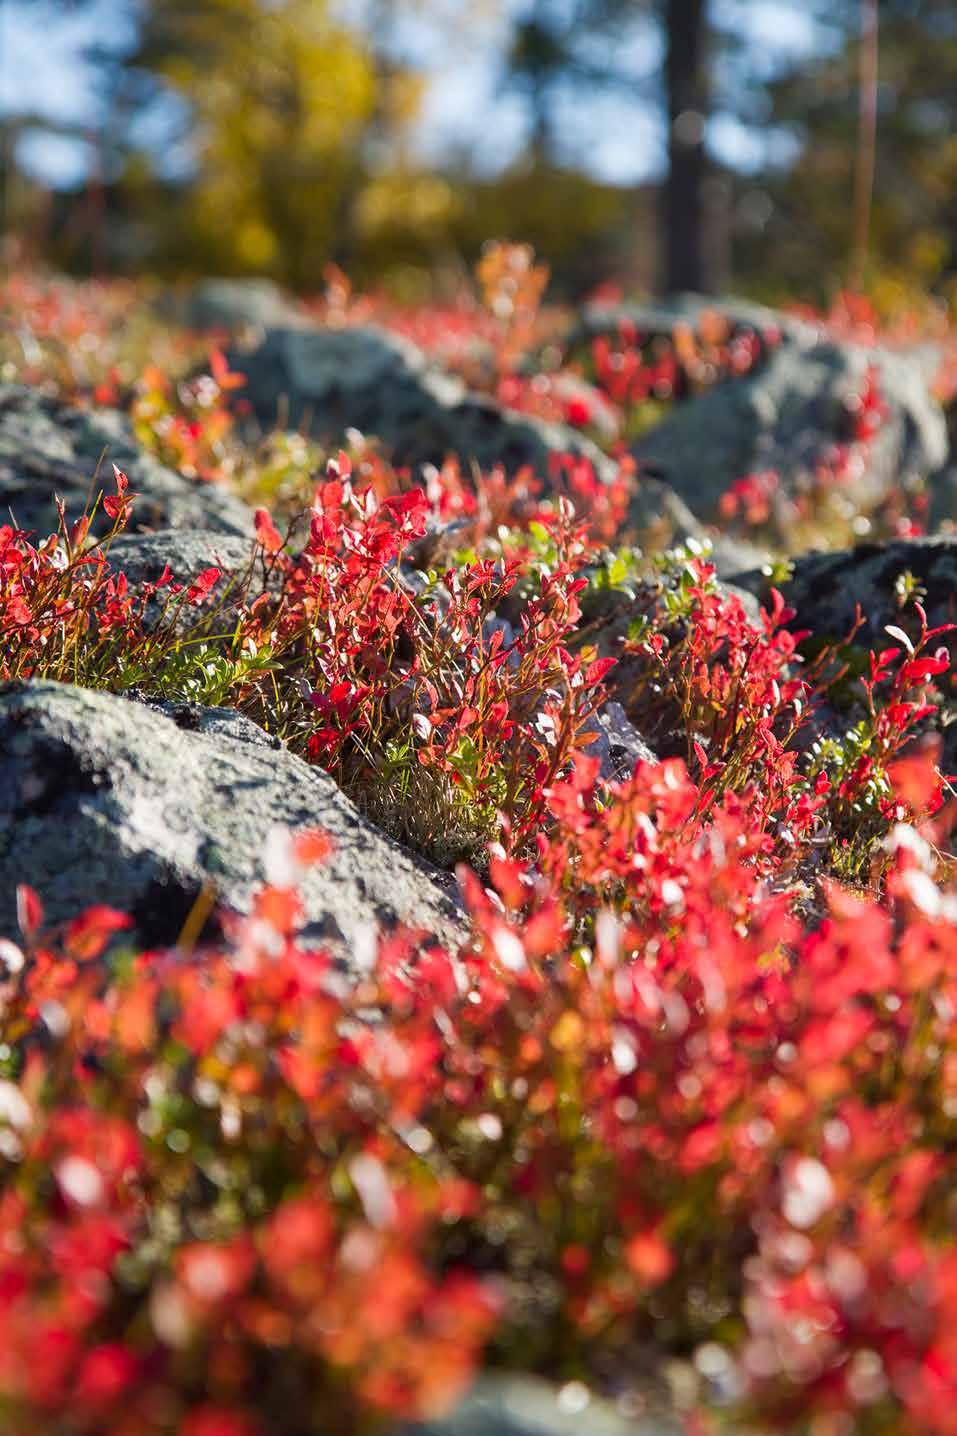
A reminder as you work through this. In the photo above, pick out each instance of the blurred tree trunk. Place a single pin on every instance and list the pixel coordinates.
(687, 87)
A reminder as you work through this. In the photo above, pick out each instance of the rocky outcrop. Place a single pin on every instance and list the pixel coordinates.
(501, 1405)
(50, 449)
(228, 304)
(331, 380)
(789, 413)
(826, 588)
(107, 801)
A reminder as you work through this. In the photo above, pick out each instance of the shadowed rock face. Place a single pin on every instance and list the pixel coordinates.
(330, 380)
(826, 589)
(107, 801)
(789, 413)
(48, 449)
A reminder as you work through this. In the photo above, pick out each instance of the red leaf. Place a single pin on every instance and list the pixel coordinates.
(107, 1371)
(88, 934)
(225, 377)
(918, 670)
(204, 584)
(312, 845)
(29, 910)
(266, 532)
(649, 1257)
(218, 1421)
(596, 671)
(330, 495)
(915, 779)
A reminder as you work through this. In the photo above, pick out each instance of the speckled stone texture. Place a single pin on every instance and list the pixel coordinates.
(826, 589)
(48, 448)
(103, 800)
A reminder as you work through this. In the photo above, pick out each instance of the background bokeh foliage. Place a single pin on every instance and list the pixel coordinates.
(299, 140)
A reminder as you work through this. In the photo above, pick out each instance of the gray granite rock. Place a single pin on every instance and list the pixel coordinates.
(789, 413)
(525, 1406)
(825, 588)
(618, 745)
(330, 380)
(142, 557)
(48, 448)
(230, 304)
(103, 800)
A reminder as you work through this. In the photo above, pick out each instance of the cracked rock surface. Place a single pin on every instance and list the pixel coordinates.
(107, 801)
(48, 448)
(825, 588)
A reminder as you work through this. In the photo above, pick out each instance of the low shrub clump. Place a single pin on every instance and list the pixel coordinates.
(646, 1109)
(687, 1093)
(438, 720)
